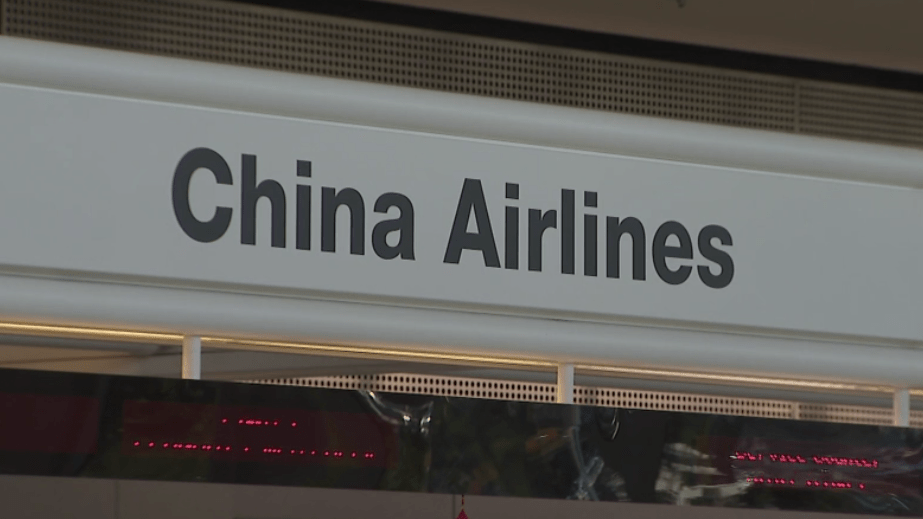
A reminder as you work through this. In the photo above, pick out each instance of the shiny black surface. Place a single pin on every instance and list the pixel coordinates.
(166, 429)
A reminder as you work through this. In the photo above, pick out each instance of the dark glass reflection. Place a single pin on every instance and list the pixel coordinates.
(166, 429)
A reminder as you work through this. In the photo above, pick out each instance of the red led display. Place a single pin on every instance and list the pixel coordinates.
(771, 481)
(845, 462)
(816, 470)
(815, 459)
(242, 434)
(810, 483)
(832, 484)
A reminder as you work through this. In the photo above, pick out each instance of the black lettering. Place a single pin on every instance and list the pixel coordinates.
(662, 251)
(403, 224)
(538, 224)
(590, 236)
(472, 200)
(331, 200)
(200, 158)
(568, 238)
(303, 207)
(718, 256)
(511, 234)
(614, 231)
(250, 194)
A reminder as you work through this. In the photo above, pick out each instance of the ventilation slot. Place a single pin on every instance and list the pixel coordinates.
(429, 385)
(497, 389)
(849, 414)
(838, 112)
(689, 403)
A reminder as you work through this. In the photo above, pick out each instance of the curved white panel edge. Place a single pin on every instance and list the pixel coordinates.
(328, 322)
(124, 75)
(85, 69)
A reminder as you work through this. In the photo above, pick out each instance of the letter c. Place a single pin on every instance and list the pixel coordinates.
(200, 158)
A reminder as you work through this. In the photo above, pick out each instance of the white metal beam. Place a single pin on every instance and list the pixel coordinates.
(108, 72)
(565, 386)
(192, 357)
(264, 317)
(902, 407)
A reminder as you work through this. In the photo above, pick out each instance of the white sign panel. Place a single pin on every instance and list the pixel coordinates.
(98, 186)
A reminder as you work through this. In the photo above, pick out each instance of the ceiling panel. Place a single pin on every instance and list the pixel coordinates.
(872, 33)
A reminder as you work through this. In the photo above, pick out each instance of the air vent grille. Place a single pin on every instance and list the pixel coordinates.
(463, 387)
(685, 402)
(848, 414)
(836, 111)
(307, 43)
(498, 389)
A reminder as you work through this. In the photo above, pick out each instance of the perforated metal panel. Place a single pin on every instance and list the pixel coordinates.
(602, 396)
(429, 385)
(846, 413)
(686, 402)
(322, 45)
(861, 114)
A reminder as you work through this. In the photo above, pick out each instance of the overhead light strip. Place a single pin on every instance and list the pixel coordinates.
(401, 354)
(79, 332)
